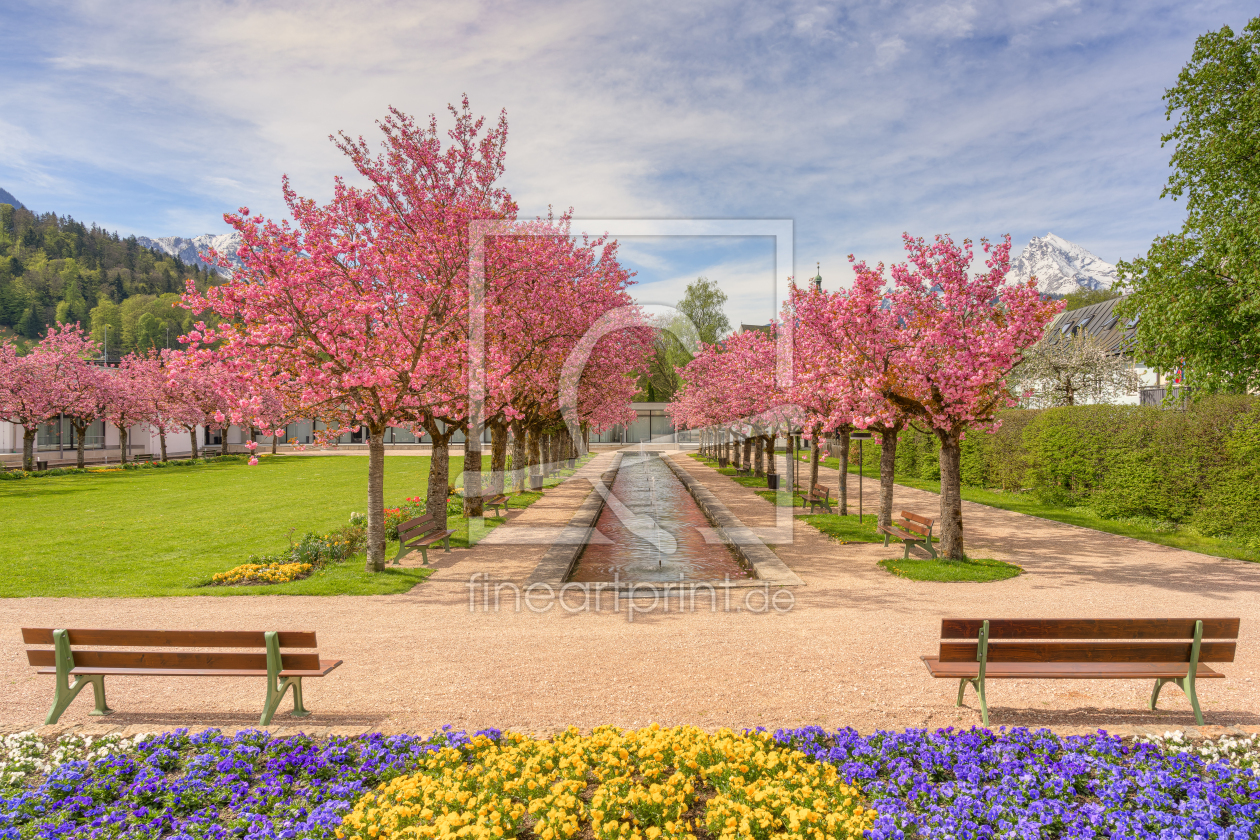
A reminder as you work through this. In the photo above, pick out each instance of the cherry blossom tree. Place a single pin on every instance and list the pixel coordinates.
(39, 385)
(359, 305)
(83, 382)
(945, 348)
(129, 397)
(845, 393)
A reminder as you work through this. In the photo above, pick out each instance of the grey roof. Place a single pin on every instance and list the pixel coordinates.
(1099, 320)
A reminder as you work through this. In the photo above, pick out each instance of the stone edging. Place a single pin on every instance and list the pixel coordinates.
(557, 563)
(742, 541)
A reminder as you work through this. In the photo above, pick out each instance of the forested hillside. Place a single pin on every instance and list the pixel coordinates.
(54, 269)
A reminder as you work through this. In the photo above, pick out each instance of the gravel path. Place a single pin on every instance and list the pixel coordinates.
(846, 653)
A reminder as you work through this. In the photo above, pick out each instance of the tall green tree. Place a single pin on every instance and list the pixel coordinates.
(1196, 294)
(702, 303)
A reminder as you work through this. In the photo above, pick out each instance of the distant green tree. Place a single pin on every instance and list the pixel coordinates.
(702, 303)
(107, 321)
(150, 333)
(1196, 293)
(31, 324)
(1082, 298)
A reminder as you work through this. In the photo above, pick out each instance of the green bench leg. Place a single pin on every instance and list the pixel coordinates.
(424, 555)
(276, 686)
(982, 656)
(979, 686)
(63, 692)
(276, 693)
(1186, 683)
(64, 695)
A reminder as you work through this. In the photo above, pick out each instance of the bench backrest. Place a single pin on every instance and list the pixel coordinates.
(914, 523)
(418, 527)
(1089, 639)
(181, 659)
(821, 490)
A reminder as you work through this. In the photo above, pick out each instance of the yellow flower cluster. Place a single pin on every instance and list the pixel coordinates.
(264, 573)
(652, 784)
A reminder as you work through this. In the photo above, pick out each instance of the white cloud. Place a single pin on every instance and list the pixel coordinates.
(857, 120)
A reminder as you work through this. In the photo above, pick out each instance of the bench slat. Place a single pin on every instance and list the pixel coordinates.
(169, 638)
(183, 660)
(915, 527)
(1088, 651)
(904, 536)
(1065, 670)
(914, 517)
(326, 666)
(426, 539)
(1089, 628)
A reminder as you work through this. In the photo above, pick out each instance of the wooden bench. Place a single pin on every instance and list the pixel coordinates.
(818, 495)
(90, 667)
(495, 503)
(1167, 650)
(911, 529)
(420, 533)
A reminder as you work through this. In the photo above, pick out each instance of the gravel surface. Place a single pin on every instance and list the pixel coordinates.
(846, 652)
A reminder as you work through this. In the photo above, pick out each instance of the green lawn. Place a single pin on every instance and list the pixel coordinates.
(1185, 538)
(847, 529)
(951, 571)
(165, 532)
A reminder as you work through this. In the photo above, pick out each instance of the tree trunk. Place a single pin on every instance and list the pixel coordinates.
(223, 449)
(771, 466)
(192, 437)
(887, 471)
(748, 453)
(498, 455)
(273, 441)
(759, 465)
(815, 452)
(519, 458)
(28, 448)
(951, 496)
(844, 471)
(439, 470)
(162, 438)
(439, 478)
(473, 501)
(122, 444)
(535, 457)
(81, 430)
(376, 500)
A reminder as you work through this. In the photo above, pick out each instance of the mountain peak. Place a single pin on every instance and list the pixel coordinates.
(6, 197)
(1061, 267)
(190, 250)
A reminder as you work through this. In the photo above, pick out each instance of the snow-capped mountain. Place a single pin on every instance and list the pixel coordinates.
(1061, 267)
(189, 250)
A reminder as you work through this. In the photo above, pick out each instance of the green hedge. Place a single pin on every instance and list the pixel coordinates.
(1198, 467)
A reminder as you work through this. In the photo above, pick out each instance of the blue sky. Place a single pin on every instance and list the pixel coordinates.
(856, 120)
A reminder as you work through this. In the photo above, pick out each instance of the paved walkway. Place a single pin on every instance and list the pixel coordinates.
(845, 653)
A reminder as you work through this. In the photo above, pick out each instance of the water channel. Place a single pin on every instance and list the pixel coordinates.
(653, 525)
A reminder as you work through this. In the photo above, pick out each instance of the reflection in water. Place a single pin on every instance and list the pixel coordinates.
(663, 516)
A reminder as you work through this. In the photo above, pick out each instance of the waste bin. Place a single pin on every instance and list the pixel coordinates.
(772, 481)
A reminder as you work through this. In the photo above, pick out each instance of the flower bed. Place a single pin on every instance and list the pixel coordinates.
(1025, 784)
(650, 783)
(653, 783)
(258, 573)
